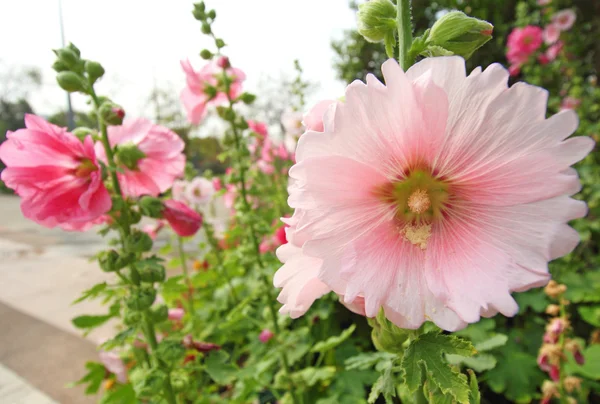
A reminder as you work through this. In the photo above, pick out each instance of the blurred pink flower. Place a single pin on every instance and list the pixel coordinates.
(153, 229)
(265, 336)
(161, 162)
(217, 183)
(569, 103)
(265, 167)
(313, 120)
(114, 364)
(199, 191)
(427, 185)
(259, 128)
(525, 40)
(176, 314)
(178, 190)
(194, 96)
(183, 220)
(56, 175)
(551, 34)
(292, 123)
(544, 2)
(553, 51)
(564, 19)
(514, 70)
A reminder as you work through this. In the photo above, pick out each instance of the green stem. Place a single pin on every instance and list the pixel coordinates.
(253, 236)
(215, 246)
(125, 230)
(403, 19)
(188, 281)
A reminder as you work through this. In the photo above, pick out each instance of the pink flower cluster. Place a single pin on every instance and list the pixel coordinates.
(270, 243)
(524, 42)
(59, 178)
(206, 87)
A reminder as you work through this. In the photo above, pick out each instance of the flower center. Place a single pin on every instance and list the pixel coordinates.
(418, 201)
(85, 168)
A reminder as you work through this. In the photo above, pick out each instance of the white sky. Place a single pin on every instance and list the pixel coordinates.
(139, 41)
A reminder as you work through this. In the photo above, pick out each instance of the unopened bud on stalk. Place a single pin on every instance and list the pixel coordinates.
(111, 113)
(141, 298)
(151, 207)
(460, 34)
(71, 82)
(94, 70)
(83, 132)
(377, 20)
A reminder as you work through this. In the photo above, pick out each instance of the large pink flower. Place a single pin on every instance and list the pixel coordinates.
(194, 96)
(159, 156)
(57, 176)
(564, 19)
(525, 40)
(433, 197)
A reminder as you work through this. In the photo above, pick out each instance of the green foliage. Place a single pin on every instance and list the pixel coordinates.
(93, 378)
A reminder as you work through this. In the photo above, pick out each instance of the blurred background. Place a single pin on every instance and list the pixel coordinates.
(140, 44)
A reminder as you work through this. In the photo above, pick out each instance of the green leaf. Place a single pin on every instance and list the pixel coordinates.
(332, 342)
(385, 385)
(89, 322)
(119, 339)
(427, 352)
(591, 367)
(311, 375)
(123, 394)
(535, 299)
(475, 396)
(590, 315)
(93, 378)
(479, 363)
(218, 369)
(365, 361)
(516, 375)
(92, 292)
(435, 50)
(496, 341)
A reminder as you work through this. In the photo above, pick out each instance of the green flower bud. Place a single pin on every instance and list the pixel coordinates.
(94, 70)
(74, 49)
(210, 91)
(220, 43)
(152, 273)
(59, 66)
(212, 14)
(386, 336)
(206, 54)
(129, 154)
(206, 28)
(111, 261)
(377, 20)
(160, 314)
(138, 242)
(134, 217)
(170, 351)
(67, 57)
(247, 98)
(83, 132)
(111, 113)
(151, 207)
(71, 82)
(179, 380)
(460, 34)
(153, 383)
(132, 318)
(141, 298)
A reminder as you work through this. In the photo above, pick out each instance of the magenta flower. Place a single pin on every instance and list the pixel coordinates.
(265, 335)
(183, 220)
(114, 364)
(154, 156)
(564, 19)
(195, 97)
(432, 197)
(525, 40)
(56, 175)
(259, 128)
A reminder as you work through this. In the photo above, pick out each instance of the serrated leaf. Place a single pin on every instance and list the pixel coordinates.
(92, 292)
(385, 385)
(365, 361)
(311, 375)
(218, 369)
(535, 299)
(475, 396)
(427, 352)
(119, 339)
(590, 315)
(93, 378)
(516, 375)
(122, 394)
(479, 363)
(496, 341)
(332, 342)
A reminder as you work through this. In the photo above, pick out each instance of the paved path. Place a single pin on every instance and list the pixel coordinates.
(41, 272)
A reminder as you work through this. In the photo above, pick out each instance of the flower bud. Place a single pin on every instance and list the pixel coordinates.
(460, 34)
(377, 20)
(160, 314)
(223, 62)
(572, 384)
(111, 113)
(265, 335)
(75, 49)
(220, 43)
(170, 351)
(385, 335)
(153, 273)
(212, 14)
(554, 373)
(67, 57)
(94, 70)
(141, 298)
(206, 54)
(151, 207)
(132, 318)
(553, 310)
(138, 242)
(71, 82)
(574, 347)
(59, 66)
(176, 314)
(247, 98)
(111, 261)
(179, 380)
(83, 132)
(206, 28)
(183, 220)
(199, 11)
(129, 154)
(153, 383)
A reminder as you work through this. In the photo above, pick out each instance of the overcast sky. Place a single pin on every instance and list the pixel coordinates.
(140, 41)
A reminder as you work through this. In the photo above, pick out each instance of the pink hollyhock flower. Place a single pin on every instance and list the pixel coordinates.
(229, 196)
(542, 58)
(176, 314)
(553, 51)
(292, 123)
(564, 19)
(544, 2)
(217, 184)
(57, 176)
(551, 34)
(183, 220)
(153, 229)
(569, 103)
(423, 187)
(155, 157)
(194, 96)
(280, 234)
(114, 364)
(199, 192)
(178, 190)
(313, 120)
(514, 70)
(265, 167)
(259, 128)
(525, 40)
(265, 336)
